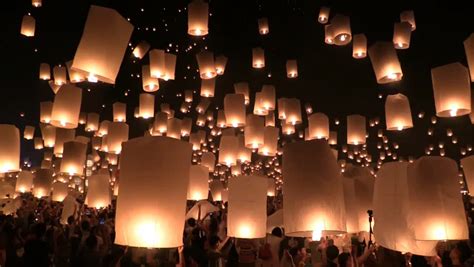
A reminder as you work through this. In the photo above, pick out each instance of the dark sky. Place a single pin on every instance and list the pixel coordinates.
(329, 78)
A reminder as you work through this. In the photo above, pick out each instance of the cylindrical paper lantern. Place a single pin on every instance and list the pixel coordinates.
(268, 97)
(328, 34)
(38, 143)
(291, 68)
(356, 130)
(74, 158)
(174, 128)
(258, 108)
(408, 16)
(208, 87)
(28, 26)
(45, 111)
(36, 3)
(243, 88)
(221, 61)
(270, 119)
(45, 71)
(198, 188)
(48, 133)
(323, 15)
(186, 125)
(263, 27)
(149, 83)
(332, 138)
(287, 128)
(234, 109)
(103, 128)
(9, 148)
(146, 108)
(258, 58)
(29, 132)
(170, 67)
(217, 188)
(160, 125)
(385, 62)
(143, 217)
(74, 76)
(208, 160)
(120, 112)
(398, 113)
(188, 96)
(42, 183)
(198, 15)
(318, 125)
(141, 49)
(62, 136)
(228, 150)
(207, 68)
(254, 131)
(292, 109)
(270, 141)
(341, 28)
(66, 107)
(359, 46)
(271, 187)
(469, 49)
(118, 133)
(24, 182)
(59, 74)
(402, 35)
(351, 207)
(92, 122)
(452, 90)
(468, 169)
(203, 105)
(60, 191)
(98, 191)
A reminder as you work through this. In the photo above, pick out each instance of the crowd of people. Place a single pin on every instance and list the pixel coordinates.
(34, 236)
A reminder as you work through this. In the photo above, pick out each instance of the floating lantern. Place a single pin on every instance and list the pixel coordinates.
(146, 108)
(198, 15)
(287, 128)
(36, 3)
(186, 125)
(38, 143)
(174, 128)
(452, 90)
(118, 133)
(28, 26)
(74, 158)
(74, 76)
(359, 46)
(42, 183)
(103, 128)
(120, 112)
(270, 141)
(263, 27)
(208, 87)
(328, 34)
(198, 188)
(271, 188)
(469, 48)
(468, 169)
(234, 109)
(59, 74)
(408, 16)
(398, 113)
(207, 68)
(48, 133)
(254, 131)
(103, 45)
(247, 217)
(243, 88)
(141, 49)
(45, 71)
(323, 15)
(217, 189)
(82, 118)
(385, 62)
(66, 107)
(291, 68)
(208, 160)
(221, 61)
(402, 35)
(98, 191)
(62, 136)
(318, 124)
(356, 130)
(351, 208)
(188, 96)
(258, 58)
(92, 122)
(170, 67)
(149, 84)
(258, 108)
(341, 29)
(292, 109)
(332, 138)
(29, 132)
(228, 150)
(24, 182)
(221, 121)
(203, 105)
(270, 119)
(60, 191)
(143, 217)
(9, 148)
(308, 165)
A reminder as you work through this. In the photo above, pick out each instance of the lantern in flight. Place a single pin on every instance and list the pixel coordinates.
(341, 29)
(141, 49)
(9, 148)
(28, 26)
(198, 188)
(385, 62)
(359, 46)
(258, 58)
(356, 129)
(402, 35)
(66, 107)
(198, 15)
(234, 109)
(207, 68)
(397, 113)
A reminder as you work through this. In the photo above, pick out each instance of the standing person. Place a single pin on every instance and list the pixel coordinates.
(271, 248)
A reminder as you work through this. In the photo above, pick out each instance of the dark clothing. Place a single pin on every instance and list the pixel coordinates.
(36, 253)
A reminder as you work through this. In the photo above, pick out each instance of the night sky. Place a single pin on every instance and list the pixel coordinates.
(329, 78)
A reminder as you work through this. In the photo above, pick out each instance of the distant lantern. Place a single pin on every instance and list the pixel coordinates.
(268, 97)
(308, 165)
(221, 121)
(208, 160)
(66, 107)
(141, 49)
(103, 128)
(24, 182)
(198, 16)
(468, 169)
(408, 16)
(103, 44)
(59, 75)
(258, 58)
(234, 109)
(398, 113)
(186, 125)
(228, 149)
(208, 87)
(270, 141)
(98, 191)
(221, 62)
(29, 132)
(318, 124)
(287, 128)
(45, 71)
(188, 96)
(149, 84)
(203, 105)
(243, 88)
(146, 108)
(452, 90)
(356, 129)
(38, 143)
(391, 205)
(439, 216)
(42, 183)
(385, 62)
(120, 112)
(469, 49)
(270, 119)
(402, 35)
(143, 217)
(198, 188)
(60, 191)
(36, 3)
(217, 189)
(118, 133)
(74, 76)
(291, 68)
(48, 133)
(329, 34)
(62, 136)
(341, 27)
(170, 67)
(332, 138)
(263, 27)
(359, 46)
(323, 15)
(174, 128)
(292, 109)
(92, 124)
(247, 217)
(9, 148)
(82, 118)
(74, 158)
(28, 26)
(253, 131)
(207, 68)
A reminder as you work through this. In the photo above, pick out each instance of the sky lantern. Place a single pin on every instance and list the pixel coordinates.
(74, 76)
(188, 96)
(29, 132)
(42, 183)
(308, 165)
(253, 131)
(24, 182)
(359, 46)
(98, 190)
(198, 15)
(469, 49)
(146, 108)
(291, 68)
(468, 169)
(258, 108)
(356, 129)
(186, 125)
(202, 106)
(221, 121)
(45, 111)
(44, 71)
(234, 109)
(271, 188)
(391, 206)
(141, 49)
(385, 62)
(318, 124)
(341, 28)
(60, 191)
(59, 74)
(143, 217)
(287, 128)
(62, 136)
(120, 112)
(228, 150)
(149, 84)
(323, 16)
(9, 148)
(38, 143)
(452, 90)
(73, 158)
(243, 88)
(160, 125)
(36, 3)
(408, 16)
(28, 26)
(247, 216)
(48, 132)
(329, 34)
(258, 58)
(263, 27)
(439, 216)
(82, 118)
(174, 128)
(117, 134)
(103, 128)
(351, 207)
(198, 188)
(103, 45)
(270, 119)
(92, 124)
(207, 87)
(221, 62)
(208, 160)
(207, 68)
(332, 138)
(270, 141)
(268, 97)
(398, 113)
(402, 35)
(66, 107)
(292, 109)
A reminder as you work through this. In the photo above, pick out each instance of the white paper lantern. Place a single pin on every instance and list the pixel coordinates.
(198, 188)
(66, 107)
(318, 125)
(385, 63)
(42, 183)
(402, 35)
(198, 15)
(469, 49)
(243, 88)
(60, 191)
(141, 49)
(263, 27)
(234, 109)
(356, 129)
(208, 87)
(408, 16)
(221, 62)
(323, 15)
(146, 108)
(24, 182)
(359, 46)
(118, 133)
(254, 135)
(92, 122)
(291, 68)
(149, 83)
(398, 112)
(9, 148)
(258, 58)
(341, 29)
(98, 191)
(228, 149)
(28, 26)
(62, 136)
(45, 71)
(74, 158)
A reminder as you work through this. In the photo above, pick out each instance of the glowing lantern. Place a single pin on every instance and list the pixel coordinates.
(228, 149)
(287, 128)
(385, 62)
(66, 107)
(437, 216)
(323, 15)
(98, 191)
(217, 189)
(243, 88)
(74, 76)
(28, 26)
(258, 108)
(391, 205)
(234, 109)
(268, 97)
(103, 128)
(270, 119)
(203, 105)
(247, 217)
(332, 138)
(29, 132)
(318, 124)
(469, 48)
(141, 49)
(291, 68)
(198, 15)
(208, 87)
(45, 71)
(186, 125)
(198, 186)
(24, 182)
(146, 108)
(207, 68)
(271, 188)
(9, 148)
(103, 44)
(118, 133)
(149, 84)
(208, 160)
(359, 46)
(221, 61)
(452, 90)
(292, 109)
(38, 143)
(143, 217)
(120, 112)
(329, 34)
(36, 3)
(397, 113)
(74, 158)
(92, 122)
(45, 111)
(402, 35)
(270, 141)
(62, 136)
(42, 183)
(188, 96)
(263, 27)
(408, 16)
(356, 129)
(59, 74)
(60, 191)
(254, 131)
(308, 165)
(341, 29)
(48, 133)
(468, 169)
(258, 58)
